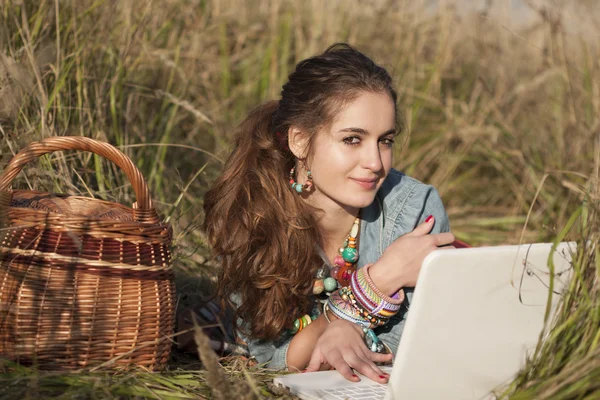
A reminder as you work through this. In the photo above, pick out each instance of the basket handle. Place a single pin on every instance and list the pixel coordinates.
(143, 208)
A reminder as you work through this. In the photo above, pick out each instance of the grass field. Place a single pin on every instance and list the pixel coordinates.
(503, 120)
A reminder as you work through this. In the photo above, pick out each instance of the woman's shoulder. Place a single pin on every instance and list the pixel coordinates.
(399, 186)
(407, 202)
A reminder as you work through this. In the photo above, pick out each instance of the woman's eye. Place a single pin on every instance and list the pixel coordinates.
(387, 141)
(352, 140)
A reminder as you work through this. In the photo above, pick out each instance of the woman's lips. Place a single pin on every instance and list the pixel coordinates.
(366, 183)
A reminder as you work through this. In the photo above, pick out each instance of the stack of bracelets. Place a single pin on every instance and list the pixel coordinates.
(365, 305)
(358, 300)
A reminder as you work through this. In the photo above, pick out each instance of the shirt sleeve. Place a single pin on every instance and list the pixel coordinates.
(421, 202)
(434, 206)
(271, 353)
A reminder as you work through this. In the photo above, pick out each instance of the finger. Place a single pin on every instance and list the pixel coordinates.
(423, 228)
(325, 366)
(337, 362)
(380, 357)
(442, 239)
(368, 369)
(315, 362)
(343, 368)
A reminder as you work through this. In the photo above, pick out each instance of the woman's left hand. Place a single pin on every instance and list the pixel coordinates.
(342, 347)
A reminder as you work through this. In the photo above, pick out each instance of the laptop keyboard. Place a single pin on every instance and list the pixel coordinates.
(372, 392)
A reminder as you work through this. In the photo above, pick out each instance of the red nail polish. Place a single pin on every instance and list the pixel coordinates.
(429, 218)
(383, 376)
(354, 376)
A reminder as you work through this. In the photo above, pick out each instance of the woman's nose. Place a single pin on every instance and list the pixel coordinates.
(372, 159)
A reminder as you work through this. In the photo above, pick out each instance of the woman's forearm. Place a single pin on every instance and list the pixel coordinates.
(303, 343)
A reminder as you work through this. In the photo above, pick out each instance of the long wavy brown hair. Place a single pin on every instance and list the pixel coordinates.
(263, 233)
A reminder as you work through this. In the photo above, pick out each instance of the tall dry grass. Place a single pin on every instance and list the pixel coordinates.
(503, 120)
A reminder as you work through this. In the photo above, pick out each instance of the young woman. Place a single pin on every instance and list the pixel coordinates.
(320, 240)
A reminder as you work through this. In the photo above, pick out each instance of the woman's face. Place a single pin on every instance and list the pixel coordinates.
(352, 158)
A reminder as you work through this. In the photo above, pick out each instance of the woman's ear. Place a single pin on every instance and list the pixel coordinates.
(298, 142)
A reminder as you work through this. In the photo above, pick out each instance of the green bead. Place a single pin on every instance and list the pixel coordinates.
(330, 284)
(298, 187)
(307, 320)
(296, 326)
(350, 255)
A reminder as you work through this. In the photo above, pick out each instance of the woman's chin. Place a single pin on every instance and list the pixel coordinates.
(360, 201)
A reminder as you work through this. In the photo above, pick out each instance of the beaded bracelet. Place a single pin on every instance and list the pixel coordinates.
(371, 340)
(344, 310)
(373, 300)
(374, 320)
(300, 324)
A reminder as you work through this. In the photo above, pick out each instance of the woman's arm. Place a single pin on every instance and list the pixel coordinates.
(303, 344)
(421, 226)
(400, 264)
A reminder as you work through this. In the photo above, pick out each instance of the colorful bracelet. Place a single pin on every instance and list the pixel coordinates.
(373, 342)
(300, 324)
(336, 306)
(375, 302)
(374, 320)
(396, 300)
(344, 310)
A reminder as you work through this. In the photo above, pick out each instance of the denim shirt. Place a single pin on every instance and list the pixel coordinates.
(400, 205)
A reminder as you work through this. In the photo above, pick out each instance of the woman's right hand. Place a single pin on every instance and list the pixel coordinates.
(341, 346)
(400, 264)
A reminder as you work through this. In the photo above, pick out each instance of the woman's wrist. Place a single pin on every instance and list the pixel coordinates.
(380, 276)
(331, 318)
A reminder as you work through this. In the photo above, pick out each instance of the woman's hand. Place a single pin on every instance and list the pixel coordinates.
(342, 347)
(400, 264)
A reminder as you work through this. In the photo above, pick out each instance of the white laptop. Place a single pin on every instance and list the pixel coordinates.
(475, 316)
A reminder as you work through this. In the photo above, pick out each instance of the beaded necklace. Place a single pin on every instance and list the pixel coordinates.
(344, 264)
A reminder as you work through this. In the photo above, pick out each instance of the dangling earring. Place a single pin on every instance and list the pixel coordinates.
(297, 186)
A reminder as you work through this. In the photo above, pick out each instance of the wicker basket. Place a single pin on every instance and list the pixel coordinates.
(83, 281)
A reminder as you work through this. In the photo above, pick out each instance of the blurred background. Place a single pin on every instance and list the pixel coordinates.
(501, 98)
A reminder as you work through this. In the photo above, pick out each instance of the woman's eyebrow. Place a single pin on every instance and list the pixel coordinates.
(362, 131)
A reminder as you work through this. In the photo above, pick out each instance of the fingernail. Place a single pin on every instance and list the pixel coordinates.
(429, 218)
(383, 376)
(354, 376)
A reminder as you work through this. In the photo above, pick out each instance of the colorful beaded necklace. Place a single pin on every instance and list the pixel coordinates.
(344, 264)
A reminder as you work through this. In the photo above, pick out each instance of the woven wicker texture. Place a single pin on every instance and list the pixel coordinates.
(83, 281)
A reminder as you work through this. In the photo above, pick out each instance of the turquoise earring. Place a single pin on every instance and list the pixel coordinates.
(299, 188)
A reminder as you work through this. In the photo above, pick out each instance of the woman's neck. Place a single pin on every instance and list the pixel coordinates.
(334, 225)
(334, 220)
